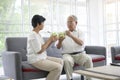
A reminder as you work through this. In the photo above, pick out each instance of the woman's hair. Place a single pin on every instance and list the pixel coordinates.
(37, 19)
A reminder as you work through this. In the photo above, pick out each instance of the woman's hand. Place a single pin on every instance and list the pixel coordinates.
(61, 39)
(53, 38)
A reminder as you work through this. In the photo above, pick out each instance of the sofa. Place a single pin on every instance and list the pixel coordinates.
(115, 53)
(15, 60)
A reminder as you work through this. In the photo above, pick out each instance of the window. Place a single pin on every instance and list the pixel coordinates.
(112, 23)
(15, 16)
(12, 22)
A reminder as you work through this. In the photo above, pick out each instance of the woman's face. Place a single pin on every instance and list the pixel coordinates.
(41, 26)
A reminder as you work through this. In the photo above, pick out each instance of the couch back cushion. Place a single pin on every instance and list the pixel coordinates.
(53, 51)
(99, 50)
(18, 44)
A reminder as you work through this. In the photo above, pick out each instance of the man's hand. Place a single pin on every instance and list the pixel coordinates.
(68, 33)
(76, 39)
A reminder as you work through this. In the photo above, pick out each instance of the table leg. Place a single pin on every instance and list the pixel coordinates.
(82, 77)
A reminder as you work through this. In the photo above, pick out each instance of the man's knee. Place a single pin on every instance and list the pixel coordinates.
(66, 60)
(89, 62)
(89, 59)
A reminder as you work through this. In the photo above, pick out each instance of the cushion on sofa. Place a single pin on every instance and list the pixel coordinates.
(18, 44)
(26, 67)
(53, 51)
(29, 68)
(97, 58)
(117, 57)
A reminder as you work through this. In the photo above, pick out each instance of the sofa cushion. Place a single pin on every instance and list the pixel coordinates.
(17, 44)
(117, 57)
(97, 58)
(53, 51)
(99, 50)
(26, 67)
(30, 72)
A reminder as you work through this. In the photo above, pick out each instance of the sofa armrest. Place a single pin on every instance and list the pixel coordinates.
(12, 64)
(115, 50)
(98, 50)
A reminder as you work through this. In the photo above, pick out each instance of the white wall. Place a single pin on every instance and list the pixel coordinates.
(96, 22)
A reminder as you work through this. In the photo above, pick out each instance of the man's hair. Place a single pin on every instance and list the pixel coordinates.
(74, 17)
(37, 19)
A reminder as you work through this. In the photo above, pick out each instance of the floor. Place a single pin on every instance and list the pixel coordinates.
(63, 77)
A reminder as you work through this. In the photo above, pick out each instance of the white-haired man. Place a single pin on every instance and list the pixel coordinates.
(73, 48)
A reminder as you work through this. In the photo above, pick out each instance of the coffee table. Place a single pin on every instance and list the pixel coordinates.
(103, 72)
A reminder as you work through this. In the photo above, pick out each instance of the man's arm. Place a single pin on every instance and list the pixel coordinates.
(77, 40)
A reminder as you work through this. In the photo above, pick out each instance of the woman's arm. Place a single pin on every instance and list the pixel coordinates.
(47, 44)
(59, 45)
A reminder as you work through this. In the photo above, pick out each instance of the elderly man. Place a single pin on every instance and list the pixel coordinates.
(73, 48)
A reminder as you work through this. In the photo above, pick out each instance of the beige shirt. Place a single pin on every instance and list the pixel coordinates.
(70, 46)
(34, 44)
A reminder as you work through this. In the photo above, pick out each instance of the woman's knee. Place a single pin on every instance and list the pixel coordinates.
(59, 67)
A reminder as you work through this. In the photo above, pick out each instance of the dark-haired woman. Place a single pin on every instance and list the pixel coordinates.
(36, 48)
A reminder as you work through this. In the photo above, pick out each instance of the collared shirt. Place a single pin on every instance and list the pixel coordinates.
(34, 43)
(70, 46)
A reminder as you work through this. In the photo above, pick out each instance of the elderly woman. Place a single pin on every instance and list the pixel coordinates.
(36, 48)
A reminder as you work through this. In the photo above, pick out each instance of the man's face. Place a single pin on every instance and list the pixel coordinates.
(71, 24)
